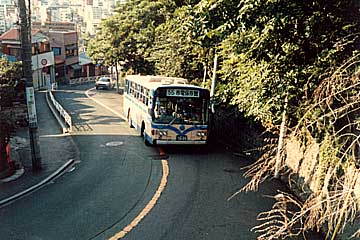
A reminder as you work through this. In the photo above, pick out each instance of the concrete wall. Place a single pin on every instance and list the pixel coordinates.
(305, 172)
(303, 163)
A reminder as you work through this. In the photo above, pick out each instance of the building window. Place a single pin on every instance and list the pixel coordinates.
(71, 50)
(57, 51)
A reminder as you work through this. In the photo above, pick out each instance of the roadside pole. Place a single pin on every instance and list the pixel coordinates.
(213, 83)
(117, 78)
(25, 35)
(213, 80)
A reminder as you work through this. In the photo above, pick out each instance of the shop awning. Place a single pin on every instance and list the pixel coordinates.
(75, 66)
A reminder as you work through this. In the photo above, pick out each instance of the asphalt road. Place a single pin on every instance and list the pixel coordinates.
(117, 176)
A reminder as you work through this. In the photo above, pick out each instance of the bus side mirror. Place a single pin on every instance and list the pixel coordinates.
(212, 106)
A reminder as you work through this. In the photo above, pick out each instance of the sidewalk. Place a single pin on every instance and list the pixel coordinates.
(56, 150)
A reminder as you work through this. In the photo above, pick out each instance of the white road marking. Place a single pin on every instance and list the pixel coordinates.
(102, 104)
(114, 144)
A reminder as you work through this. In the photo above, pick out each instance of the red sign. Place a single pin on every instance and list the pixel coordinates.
(43, 61)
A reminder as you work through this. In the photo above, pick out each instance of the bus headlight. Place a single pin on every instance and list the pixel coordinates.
(159, 132)
(201, 134)
(162, 133)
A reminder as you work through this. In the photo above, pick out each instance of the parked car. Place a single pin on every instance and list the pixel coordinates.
(104, 83)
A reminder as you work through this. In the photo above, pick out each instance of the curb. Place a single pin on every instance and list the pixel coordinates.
(37, 186)
(17, 173)
(52, 176)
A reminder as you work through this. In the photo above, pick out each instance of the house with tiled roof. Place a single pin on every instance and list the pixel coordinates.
(11, 43)
(43, 63)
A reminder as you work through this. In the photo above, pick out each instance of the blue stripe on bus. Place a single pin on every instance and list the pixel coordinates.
(178, 131)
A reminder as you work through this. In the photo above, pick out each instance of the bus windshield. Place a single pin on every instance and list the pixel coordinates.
(177, 110)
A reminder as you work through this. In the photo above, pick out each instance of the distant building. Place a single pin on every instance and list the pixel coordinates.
(87, 14)
(54, 26)
(8, 15)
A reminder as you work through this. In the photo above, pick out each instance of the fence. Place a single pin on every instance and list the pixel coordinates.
(61, 111)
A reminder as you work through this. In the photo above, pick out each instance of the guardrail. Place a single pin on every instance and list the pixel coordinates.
(62, 112)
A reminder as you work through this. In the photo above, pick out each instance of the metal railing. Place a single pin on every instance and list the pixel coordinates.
(61, 111)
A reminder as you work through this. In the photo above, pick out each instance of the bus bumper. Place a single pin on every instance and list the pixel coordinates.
(173, 142)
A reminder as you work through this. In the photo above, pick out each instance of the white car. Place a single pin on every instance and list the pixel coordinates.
(104, 83)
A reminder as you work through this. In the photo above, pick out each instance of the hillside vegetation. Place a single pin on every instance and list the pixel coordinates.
(291, 66)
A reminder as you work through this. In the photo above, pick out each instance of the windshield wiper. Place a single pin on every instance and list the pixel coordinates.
(176, 116)
(173, 120)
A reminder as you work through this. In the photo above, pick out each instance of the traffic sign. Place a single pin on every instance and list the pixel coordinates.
(43, 61)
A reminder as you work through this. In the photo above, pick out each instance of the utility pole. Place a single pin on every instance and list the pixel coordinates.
(25, 35)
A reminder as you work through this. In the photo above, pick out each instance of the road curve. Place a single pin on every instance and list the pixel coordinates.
(104, 191)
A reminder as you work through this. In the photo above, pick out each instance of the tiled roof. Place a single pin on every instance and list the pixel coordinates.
(13, 34)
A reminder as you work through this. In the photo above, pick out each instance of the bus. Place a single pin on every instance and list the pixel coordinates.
(167, 110)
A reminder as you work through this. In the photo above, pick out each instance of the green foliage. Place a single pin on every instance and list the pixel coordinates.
(269, 51)
(10, 74)
(284, 49)
(329, 157)
(173, 53)
(127, 36)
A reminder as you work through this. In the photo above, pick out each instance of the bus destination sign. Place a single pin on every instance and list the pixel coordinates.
(182, 93)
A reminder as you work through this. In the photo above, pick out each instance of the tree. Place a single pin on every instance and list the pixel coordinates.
(173, 53)
(128, 35)
(281, 48)
(10, 75)
(293, 67)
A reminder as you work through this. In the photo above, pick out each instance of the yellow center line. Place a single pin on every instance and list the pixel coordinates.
(148, 207)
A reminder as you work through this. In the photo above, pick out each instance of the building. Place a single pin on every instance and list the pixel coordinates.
(64, 45)
(8, 15)
(87, 14)
(43, 63)
(55, 51)
(54, 26)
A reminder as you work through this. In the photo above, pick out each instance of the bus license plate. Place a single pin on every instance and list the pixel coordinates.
(181, 138)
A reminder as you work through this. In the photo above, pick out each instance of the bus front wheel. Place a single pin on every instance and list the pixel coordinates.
(143, 135)
(129, 120)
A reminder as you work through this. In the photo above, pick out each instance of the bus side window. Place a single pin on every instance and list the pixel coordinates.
(127, 86)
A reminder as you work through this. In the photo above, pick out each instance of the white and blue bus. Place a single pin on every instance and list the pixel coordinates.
(167, 110)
